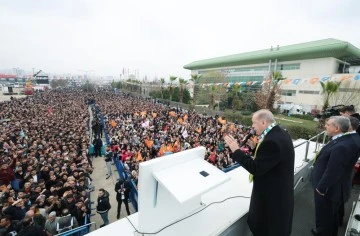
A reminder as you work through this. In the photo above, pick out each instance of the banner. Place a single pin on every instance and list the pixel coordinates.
(185, 134)
(145, 124)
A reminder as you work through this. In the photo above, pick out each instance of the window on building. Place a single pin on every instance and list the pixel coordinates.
(295, 66)
(309, 92)
(288, 92)
(234, 79)
(349, 90)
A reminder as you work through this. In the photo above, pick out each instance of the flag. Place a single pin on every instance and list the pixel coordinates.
(113, 123)
(149, 143)
(139, 157)
(222, 121)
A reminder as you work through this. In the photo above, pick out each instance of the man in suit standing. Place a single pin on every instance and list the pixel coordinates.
(122, 189)
(331, 176)
(272, 170)
(354, 125)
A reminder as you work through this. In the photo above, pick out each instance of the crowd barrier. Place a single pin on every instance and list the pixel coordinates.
(120, 167)
(86, 227)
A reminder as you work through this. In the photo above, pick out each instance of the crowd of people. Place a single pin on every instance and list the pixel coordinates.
(45, 167)
(143, 129)
(45, 159)
(45, 148)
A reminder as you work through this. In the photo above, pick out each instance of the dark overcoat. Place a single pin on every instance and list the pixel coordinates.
(272, 199)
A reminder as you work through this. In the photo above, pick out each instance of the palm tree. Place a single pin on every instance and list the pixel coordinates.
(276, 77)
(195, 78)
(182, 83)
(162, 81)
(213, 92)
(236, 89)
(328, 89)
(172, 79)
(236, 103)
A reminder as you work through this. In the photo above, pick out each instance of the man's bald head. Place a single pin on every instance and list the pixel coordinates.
(29, 213)
(264, 115)
(261, 120)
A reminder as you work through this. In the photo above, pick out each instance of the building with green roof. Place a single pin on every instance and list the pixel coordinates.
(303, 65)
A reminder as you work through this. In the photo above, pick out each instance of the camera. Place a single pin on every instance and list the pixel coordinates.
(331, 111)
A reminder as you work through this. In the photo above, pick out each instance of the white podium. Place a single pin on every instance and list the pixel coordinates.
(171, 187)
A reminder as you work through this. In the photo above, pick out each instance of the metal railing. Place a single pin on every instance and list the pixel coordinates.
(307, 142)
(78, 230)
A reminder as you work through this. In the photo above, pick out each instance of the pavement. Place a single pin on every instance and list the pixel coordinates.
(99, 181)
(7, 97)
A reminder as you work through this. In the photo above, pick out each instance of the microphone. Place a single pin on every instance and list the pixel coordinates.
(250, 134)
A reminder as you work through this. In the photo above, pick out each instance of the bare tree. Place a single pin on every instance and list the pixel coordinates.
(270, 92)
(348, 94)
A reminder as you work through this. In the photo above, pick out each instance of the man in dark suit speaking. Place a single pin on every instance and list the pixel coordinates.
(331, 176)
(272, 170)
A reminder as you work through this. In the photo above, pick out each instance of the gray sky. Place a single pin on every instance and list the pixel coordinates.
(159, 37)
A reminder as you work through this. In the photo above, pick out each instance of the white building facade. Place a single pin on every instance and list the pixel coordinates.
(303, 65)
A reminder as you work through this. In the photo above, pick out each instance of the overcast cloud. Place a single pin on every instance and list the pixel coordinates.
(159, 37)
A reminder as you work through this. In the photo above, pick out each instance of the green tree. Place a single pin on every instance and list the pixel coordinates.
(186, 96)
(235, 101)
(329, 89)
(117, 84)
(212, 97)
(172, 79)
(236, 104)
(162, 81)
(195, 78)
(88, 87)
(214, 92)
(182, 83)
(55, 83)
(249, 101)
